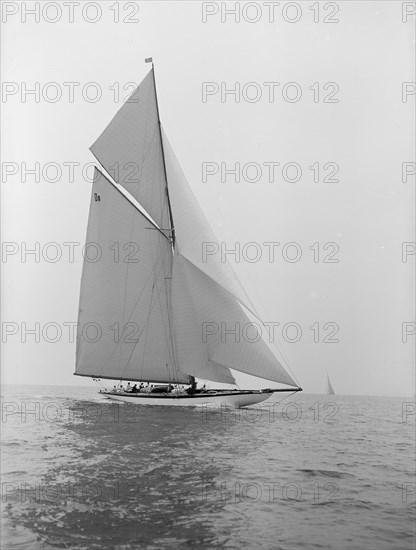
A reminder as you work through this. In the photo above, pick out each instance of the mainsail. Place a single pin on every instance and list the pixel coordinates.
(123, 324)
(152, 295)
(329, 388)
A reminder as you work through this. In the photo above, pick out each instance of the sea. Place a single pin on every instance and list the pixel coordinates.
(297, 472)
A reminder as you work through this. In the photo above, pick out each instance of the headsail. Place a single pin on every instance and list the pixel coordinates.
(192, 352)
(211, 289)
(130, 150)
(124, 325)
(217, 312)
(193, 230)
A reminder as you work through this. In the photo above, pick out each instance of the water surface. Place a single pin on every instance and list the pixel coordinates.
(311, 472)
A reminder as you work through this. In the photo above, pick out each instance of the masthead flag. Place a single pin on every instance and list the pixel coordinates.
(148, 60)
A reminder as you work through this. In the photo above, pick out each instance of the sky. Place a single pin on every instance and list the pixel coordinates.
(337, 114)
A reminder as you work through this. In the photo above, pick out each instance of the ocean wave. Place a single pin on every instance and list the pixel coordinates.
(325, 473)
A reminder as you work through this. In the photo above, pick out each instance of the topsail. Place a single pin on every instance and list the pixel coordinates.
(151, 295)
(130, 151)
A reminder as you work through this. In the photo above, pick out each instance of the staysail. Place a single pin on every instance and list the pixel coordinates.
(151, 307)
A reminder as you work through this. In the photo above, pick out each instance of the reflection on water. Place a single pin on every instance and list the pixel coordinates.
(311, 472)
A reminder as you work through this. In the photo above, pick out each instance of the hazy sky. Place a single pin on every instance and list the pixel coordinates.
(366, 134)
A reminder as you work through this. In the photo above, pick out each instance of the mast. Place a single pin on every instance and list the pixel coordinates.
(172, 227)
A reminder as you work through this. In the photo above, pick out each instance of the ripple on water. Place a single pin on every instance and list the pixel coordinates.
(173, 479)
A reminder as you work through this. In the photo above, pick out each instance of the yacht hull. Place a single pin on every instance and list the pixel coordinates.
(232, 399)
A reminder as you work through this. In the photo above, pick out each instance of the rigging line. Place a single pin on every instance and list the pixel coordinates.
(116, 186)
(168, 333)
(172, 235)
(156, 261)
(215, 237)
(146, 325)
(281, 351)
(168, 330)
(168, 292)
(162, 204)
(286, 396)
(98, 382)
(161, 176)
(131, 314)
(167, 262)
(147, 111)
(273, 403)
(157, 173)
(283, 355)
(155, 277)
(132, 226)
(164, 162)
(149, 145)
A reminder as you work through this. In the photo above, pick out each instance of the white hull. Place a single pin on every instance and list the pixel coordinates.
(236, 399)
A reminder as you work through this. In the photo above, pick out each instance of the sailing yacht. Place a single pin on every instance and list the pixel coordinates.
(144, 302)
(329, 388)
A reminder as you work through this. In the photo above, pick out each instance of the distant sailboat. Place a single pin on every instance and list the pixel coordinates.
(329, 388)
(150, 292)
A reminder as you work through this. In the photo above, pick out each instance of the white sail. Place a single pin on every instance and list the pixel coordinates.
(193, 230)
(144, 310)
(191, 352)
(131, 152)
(215, 313)
(124, 327)
(329, 388)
